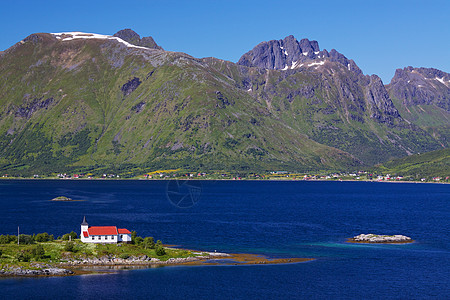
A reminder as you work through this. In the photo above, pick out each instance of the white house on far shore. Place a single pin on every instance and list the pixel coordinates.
(104, 234)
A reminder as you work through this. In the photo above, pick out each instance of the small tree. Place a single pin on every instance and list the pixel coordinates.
(149, 243)
(25, 239)
(24, 255)
(38, 251)
(138, 240)
(42, 237)
(4, 239)
(70, 236)
(133, 236)
(12, 239)
(159, 249)
(70, 246)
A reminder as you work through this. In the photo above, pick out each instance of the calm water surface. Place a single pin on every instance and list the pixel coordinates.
(280, 219)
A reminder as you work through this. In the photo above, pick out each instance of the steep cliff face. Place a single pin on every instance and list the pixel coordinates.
(422, 96)
(288, 54)
(306, 56)
(380, 105)
(415, 86)
(325, 95)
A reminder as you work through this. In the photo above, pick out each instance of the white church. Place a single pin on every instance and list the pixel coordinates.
(104, 234)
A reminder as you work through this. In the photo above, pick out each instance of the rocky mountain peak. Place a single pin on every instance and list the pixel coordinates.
(289, 53)
(129, 35)
(414, 86)
(132, 37)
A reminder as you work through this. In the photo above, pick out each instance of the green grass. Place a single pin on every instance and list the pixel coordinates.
(55, 252)
(425, 165)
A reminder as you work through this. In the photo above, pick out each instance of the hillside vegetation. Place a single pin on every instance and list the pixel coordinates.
(425, 165)
(98, 105)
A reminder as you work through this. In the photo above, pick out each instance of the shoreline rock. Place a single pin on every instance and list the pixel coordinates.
(139, 260)
(38, 270)
(62, 198)
(65, 199)
(385, 239)
(87, 265)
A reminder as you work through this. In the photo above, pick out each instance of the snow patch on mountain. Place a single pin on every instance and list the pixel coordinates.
(69, 36)
(441, 80)
(320, 63)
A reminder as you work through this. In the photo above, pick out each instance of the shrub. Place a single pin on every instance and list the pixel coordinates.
(138, 240)
(38, 251)
(42, 237)
(24, 255)
(159, 249)
(104, 252)
(133, 237)
(124, 256)
(12, 239)
(149, 242)
(4, 239)
(70, 247)
(25, 239)
(73, 235)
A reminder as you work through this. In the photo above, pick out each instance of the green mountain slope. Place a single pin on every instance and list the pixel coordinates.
(84, 101)
(422, 95)
(425, 165)
(87, 102)
(336, 107)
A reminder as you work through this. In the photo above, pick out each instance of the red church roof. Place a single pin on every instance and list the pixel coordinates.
(102, 230)
(85, 234)
(124, 231)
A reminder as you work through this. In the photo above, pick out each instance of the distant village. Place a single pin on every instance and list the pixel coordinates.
(272, 175)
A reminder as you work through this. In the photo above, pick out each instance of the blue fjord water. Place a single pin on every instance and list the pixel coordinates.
(279, 219)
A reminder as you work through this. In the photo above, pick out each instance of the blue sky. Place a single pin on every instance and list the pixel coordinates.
(379, 35)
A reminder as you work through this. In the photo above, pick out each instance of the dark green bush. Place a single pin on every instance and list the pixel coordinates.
(43, 237)
(73, 235)
(149, 243)
(38, 251)
(25, 239)
(24, 255)
(159, 249)
(70, 246)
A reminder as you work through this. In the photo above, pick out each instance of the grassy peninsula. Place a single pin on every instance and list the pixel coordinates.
(42, 255)
(42, 251)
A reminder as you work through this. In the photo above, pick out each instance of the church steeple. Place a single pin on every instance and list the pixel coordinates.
(84, 229)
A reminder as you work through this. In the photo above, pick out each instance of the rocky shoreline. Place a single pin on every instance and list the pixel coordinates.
(110, 260)
(383, 239)
(65, 268)
(38, 270)
(94, 265)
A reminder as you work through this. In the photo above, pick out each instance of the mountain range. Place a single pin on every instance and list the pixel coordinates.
(86, 101)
